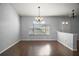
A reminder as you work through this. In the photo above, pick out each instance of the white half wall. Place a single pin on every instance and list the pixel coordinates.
(68, 39)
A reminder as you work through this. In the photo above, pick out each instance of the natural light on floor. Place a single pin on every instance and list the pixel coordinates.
(44, 50)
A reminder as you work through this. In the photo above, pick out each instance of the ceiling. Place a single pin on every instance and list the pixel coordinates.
(46, 9)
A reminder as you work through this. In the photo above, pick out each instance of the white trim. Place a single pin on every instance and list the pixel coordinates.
(9, 46)
(67, 46)
(38, 40)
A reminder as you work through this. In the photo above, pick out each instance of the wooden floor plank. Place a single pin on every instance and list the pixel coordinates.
(39, 48)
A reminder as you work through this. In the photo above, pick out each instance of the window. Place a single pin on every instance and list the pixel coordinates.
(40, 28)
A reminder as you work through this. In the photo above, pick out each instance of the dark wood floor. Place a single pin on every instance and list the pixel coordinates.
(39, 48)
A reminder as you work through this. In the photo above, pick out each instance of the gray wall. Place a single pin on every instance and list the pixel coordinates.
(71, 27)
(64, 27)
(55, 24)
(75, 26)
(26, 23)
(9, 26)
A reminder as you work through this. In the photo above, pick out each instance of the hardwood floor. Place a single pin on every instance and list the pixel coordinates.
(39, 48)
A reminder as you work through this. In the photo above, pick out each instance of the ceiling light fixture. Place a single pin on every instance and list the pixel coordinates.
(73, 13)
(38, 18)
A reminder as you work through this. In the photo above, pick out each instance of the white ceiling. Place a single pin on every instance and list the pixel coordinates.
(47, 9)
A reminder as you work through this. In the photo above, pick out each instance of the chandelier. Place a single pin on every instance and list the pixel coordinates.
(38, 18)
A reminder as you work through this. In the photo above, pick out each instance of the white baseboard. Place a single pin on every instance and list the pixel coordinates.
(9, 46)
(38, 40)
(67, 46)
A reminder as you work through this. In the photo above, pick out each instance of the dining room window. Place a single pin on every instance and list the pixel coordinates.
(40, 28)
